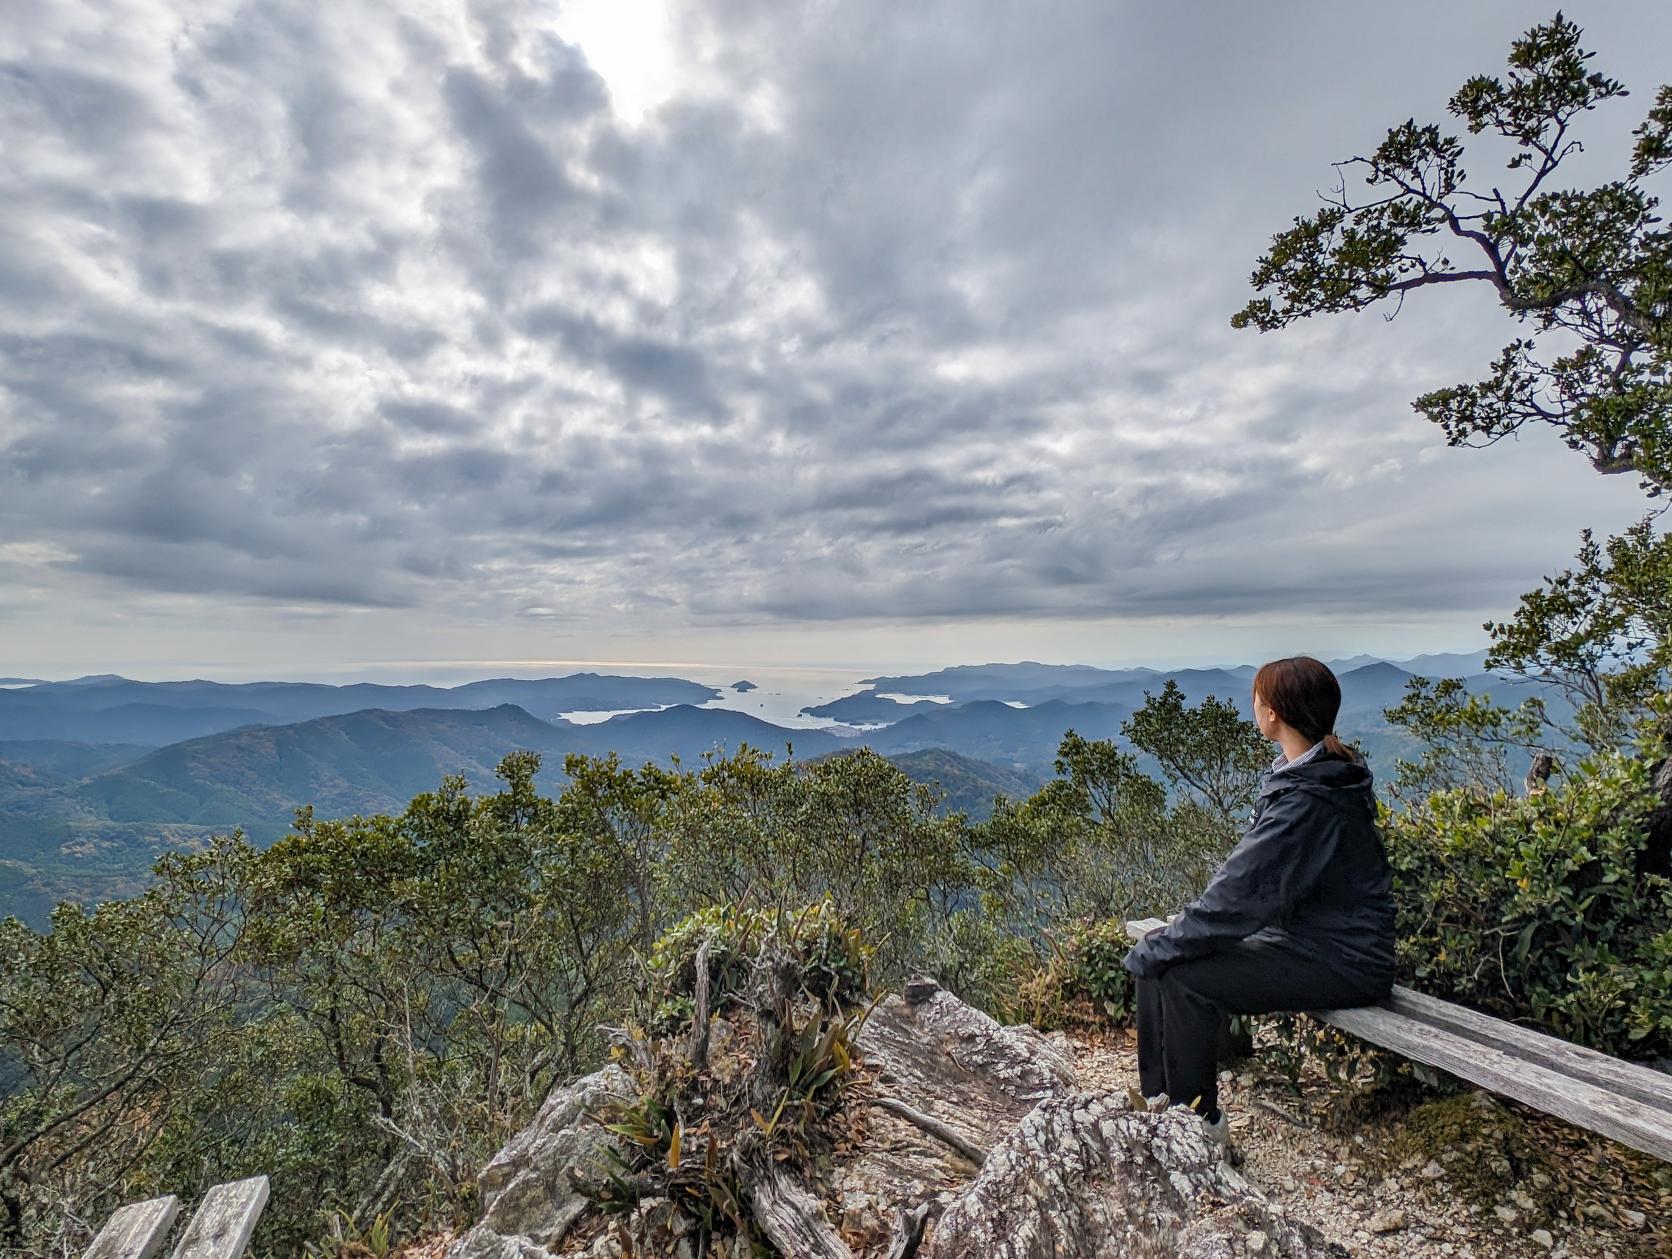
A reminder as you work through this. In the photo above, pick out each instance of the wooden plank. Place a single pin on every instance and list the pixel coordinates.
(224, 1220)
(792, 1218)
(135, 1231)
(1579, 1102)
(1643, 1084)
(1138, 928)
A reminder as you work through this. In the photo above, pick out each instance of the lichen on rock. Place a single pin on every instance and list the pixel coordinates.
(979, 1142)
(1084, 1176)
(530, 1202)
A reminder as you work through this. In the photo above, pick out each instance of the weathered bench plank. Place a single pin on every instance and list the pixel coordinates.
(1627, 1120)
(224, 1220)
(135, 1231)
(1643, 1084)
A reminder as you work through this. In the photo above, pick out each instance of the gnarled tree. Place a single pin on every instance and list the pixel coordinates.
(1587, 273)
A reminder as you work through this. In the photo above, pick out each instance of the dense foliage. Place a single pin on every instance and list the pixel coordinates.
(1554, 908)
(1586, 273)
(367, 1009)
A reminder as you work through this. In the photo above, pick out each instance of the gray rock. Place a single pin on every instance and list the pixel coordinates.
(960, 1065)
(1087, 1177)
(992, 1151)
(529, 1203)
(1388, 1221)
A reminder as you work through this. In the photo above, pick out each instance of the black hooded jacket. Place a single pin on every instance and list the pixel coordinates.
(1310, 874)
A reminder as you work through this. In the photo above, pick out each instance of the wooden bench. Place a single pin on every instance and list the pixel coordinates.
(220, 1229)
(1631, 1104)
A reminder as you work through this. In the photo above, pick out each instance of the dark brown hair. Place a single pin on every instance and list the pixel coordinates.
(1304, 693)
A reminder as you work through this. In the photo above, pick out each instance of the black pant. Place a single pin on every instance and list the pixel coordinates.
(1180, 1011)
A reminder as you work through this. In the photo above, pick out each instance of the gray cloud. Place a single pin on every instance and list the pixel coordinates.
(886, 313)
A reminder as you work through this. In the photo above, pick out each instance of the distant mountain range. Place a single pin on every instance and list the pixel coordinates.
(1366, 682)
(100, 774)
(372, 761)
(110, 709)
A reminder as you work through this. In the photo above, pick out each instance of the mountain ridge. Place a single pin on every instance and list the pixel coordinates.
(89, 808)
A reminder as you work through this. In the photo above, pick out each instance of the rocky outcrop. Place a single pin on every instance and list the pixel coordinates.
(529, 1203)
(979, 1144)
(1085, 1176)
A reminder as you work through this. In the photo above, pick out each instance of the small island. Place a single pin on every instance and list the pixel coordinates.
(744, 687)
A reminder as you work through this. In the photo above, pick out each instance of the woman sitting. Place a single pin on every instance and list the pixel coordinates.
(1299, 916)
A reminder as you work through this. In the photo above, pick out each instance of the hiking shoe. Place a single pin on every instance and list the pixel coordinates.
(1218, 1134)
(1219, 1131)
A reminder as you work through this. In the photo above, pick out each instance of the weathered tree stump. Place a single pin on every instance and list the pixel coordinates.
(979, 1145)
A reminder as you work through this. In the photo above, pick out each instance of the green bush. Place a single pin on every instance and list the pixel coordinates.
(975, 954)
(1095, 971)
(1083, 983)
(830, 956)
(1553, 909)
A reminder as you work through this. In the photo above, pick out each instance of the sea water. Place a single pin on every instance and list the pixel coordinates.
(781, 691)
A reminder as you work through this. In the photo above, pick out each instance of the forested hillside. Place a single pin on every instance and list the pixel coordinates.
(430, 973)
(86, 819)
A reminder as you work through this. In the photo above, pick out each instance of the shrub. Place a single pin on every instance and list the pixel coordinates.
(977, 956)
(1553, 908)
(1083, 984)
(755, 1078)
(832, 959)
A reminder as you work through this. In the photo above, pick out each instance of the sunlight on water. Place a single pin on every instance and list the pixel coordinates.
(592, 718)
(780, 693)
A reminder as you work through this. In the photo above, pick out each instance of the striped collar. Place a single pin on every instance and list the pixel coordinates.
(1281, 764)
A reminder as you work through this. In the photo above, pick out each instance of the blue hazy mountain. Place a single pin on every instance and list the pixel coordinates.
(1446, 664)
(375, 760)
(687, 733)
(65, 761)
(87, 800)
(1373, 686)
(1031, 686)
(1023, 739)
(869, 708)
(151, 725)
(1002, 681)
(1348, 663)
(1366, 681)
(110, 709)
(362, 762)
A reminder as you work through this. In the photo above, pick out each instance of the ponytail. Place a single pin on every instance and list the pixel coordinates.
(1334, 747)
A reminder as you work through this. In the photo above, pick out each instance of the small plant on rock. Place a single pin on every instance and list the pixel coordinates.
(741, 1070)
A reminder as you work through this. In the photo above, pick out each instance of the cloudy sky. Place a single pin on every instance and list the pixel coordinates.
(339, 335)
